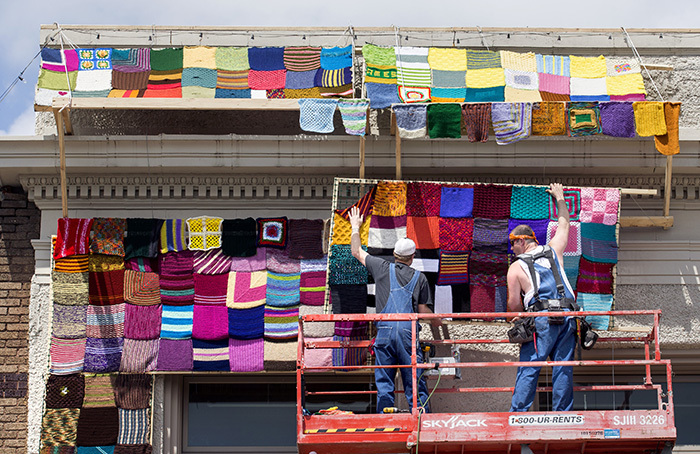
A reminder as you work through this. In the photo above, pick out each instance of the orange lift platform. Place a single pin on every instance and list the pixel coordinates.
(649, 431)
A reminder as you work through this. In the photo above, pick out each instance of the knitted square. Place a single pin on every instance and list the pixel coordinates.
(444, 120)
(548, 119)
(336, 57)
(141, 239)
(553, 64)
(482, 297)
(353, 112)
(67, 355)
(281, 322)
(232, 82)
(626, 84)
(355, 356)
(107, 236)
(52, 55)
(668, 144)
(583, 118)
(61, 60)
(133, 449)
(486, 78)
(57, 80)
(649, 118)
(210, 289)
(302, 58)
(246, 289)
(176, 279)
(172, 236)
(105, 321)
(174, 355)
(163, 82)
(266, 58)
(427, 265)
(600, 205)
(282, 289)
(319, 357)
(300, 80)
(573, 247)
(595, 277)
(342, 229)
(554, 97)
(599, 242)
(596, 302)
(204, 233)
(411, 120)
(211, 262)
(424, 231)
(385, 231)
(454, 268)
(477, 120)
(134, 426)
(492, 94)
(492, 201)
(176, 322)
(133, 391)
(538, 226)
(238, 237)
(551, 83)
(106, 288)
(517, 61)
(100, 263)
(423, 199)
(332, 77)
(350, 329)
(443, 299)
(275, 93)
(305, 239)
(232, 58)
(456, 234)
(256, 262)
(131, 60)
(312, 288)
(246, 323)
(315, 329)
(98, 426)
(65, 391)
(521, 80)
(349, 298)
(210, 355)
(572, 197)
(483, 59)
(272, 232)
(143, 264)
(529, 202)
(447, 59)
(343, 268)
(456, 201)
(491, 235)
(233, 93)
(278, 261)
(617, 119)
(199, 57)
(488, 269)
(72, 237)
(390, 199)
(246, 355)
(621, 66)
(141, 288)
(210, 322)
(129, 80)
(139, 355)
(316, 115)
(280, 355)
(382, 96)
(103, 355)
(588, 67)
(99, 391)
(142, 322)
(412, 66)
(522, 95)
(71, 288)
(267, 80)
(72, 264)
(512, 121)
(448, 95)
(588, 90)
(571, 266)
(59, 426)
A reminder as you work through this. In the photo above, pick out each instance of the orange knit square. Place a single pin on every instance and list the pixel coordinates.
(424, 231)
(390, 199)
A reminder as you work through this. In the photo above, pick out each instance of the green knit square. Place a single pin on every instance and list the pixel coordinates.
(232, 58)
(444, 121)
(529, 202)
(166, 59)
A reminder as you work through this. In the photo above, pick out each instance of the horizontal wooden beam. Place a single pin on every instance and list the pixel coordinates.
(634, 191)
(647, 221)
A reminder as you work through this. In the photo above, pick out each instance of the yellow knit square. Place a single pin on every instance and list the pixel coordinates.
(205, 233)
(196, 242)
(485, 78)
(390, 199)
(588, 67)
(199, 57)
(195, 225)
(518, 61)
(342, 230)
(447, 59)
(626, 84)
(520, 95)
(649, 118)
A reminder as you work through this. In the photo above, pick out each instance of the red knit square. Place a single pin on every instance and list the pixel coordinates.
(482, 297)
(492, 201)
(423, 199)
(595, 277)
(456, 234)
(425, 232)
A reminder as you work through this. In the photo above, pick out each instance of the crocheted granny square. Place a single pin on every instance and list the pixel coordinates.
(456, 234)
(246, 289)
(584, 118)
(205, 233)
(424, 231)
(272, 232)
(538, 226)
(210, 355)
(600, 205)
(573, 247)
(491, 235)
(176, 322)
(596, 302)
(492, 201)
(246, 355)
(246, 323)
(529, 202)
(281, 323)
(488, 269)
(595, 277)
(572, 197)
(456, 202)
(454, 268)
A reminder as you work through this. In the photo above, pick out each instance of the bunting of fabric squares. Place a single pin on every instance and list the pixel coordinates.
(103, 355)
(210, 355)
(490, 235)
(316, 115)
(477, 120)
(423, 199)
(444, 121)
(312, 287)
(649, 118)
(176, 322)
(174, 355)
(210, 322)
(282, 289)
(246, 323)
(302, 58)
(246, 289)
(253, 263)
(343, 268)
(382, 96)
(411, 120)
(572, 197)
(385, 231)
(668, 144)
(105, 321)
(511, 122)
(456, 234)
(281, 323)
(589, 90)
(596, 302)
(599, 242)
(573, 246)
(583, 118)
(139, 355)
(600, 205)
(424, 231)
(59, 427)
(538, 226)
(210, 289)
(456, 201)
(204, 233)
(142, 322)
(67, 355)
(454, 268)
(354, 115)
(106, 288)
(70, 289)
(246, 355)
(99, 263)
(72, 238)
(595, 277)
(141, 288)
(141, 239)
(492, 201)
(349, 298)
(69, 321)
(548, 119)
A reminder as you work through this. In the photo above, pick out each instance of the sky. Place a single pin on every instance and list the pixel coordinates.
(20, 22)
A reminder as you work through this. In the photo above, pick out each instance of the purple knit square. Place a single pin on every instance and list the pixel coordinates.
(539, 226)
(617, 119)
(142, 322)
(177, 263)
(210, 322)
(246, 355)
(254, 263)
(175, 355)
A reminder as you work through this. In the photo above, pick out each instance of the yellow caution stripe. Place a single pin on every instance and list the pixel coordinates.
(351, 430)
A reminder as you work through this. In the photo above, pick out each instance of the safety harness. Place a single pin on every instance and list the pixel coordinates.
(562, 301)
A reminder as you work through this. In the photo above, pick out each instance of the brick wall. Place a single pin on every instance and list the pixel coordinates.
(19, 223)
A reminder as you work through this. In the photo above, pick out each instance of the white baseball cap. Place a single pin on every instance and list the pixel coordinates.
(405, 246)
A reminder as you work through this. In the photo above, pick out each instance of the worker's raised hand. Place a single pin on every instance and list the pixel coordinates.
(556, 190)
(355, 218)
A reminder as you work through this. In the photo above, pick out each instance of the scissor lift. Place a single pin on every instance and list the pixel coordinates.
(608, 431)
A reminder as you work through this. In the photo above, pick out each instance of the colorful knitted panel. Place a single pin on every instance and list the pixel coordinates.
(100, 263)
(487, 78)
(272, 232)
(447, 59)
(538, 226)
(413, 69)
(302, 58)
(107, 236)
(529, 202)
(316, 115)
(210, 355)
(103, 355)
(253, 263)
(668, 144)
(246, 289)
(65, 391)
(141, 288)
(246, 355)
(595, 277)
(142, 322)
(176, 322)
(67, 355)
(573, 246)
(349, 356)
(342, 230)
(380, 74)
(204, 233)
(174, 355)
(349, 298)
(456, 234)
(71, 289)
(519, 61)
(267, 80)
(281, 323)
(599, 242)
(282, 289)
(553, 64)
(491, 235)
(414, 94)
(411, 120)
(548, 119)
(246, 323)
(550, 84)
(511, 121)
(106, 288)
(456, 202)
(210, 322)
(213, 261)
(385, 231)
(354, 115)
(139, 355)
(454, 268)
(492, 201)
(444, 121)
(572, 197)
(141, 238)
(600, 205)
(199, 77)
(210, 289)
(596, 302)
(172, 236)
(59, 426)
(477, 120)
(488, 269)
(72, 264)
(649, 118)
(423, 199)
(312, 287)
(424, 231)
(233, 82)
(305, 239)
(72, 237)
(177, 289)
(105, 321)
(300, 80)
(134, 426)
(583, 118)
(266, 58)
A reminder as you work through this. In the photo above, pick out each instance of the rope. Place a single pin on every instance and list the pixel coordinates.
(639, 59)
(398, 56)
(483, 40)
(421, 410)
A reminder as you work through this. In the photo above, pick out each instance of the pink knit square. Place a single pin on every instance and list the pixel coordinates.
(210, 322)
(554, 84)
(267, 80)
(573, 247)
(246, 355)
(600, 205)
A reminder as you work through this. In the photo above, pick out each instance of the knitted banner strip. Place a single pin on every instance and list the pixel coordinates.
(456, 234)
(65, 391)
(210, 355)
(199, 57)
(246, 323)
(174, 355)
(141, 288)
(176, 322)
(512, 122)
(210, 322)
(411, 120)
(67, 355)
(72, 237)
(573, 246)
(354, 115)
(316, 115)
(139, 355)
(142, 322)
(668, 144)
(246, 355)
(107, 236)
(281, 323)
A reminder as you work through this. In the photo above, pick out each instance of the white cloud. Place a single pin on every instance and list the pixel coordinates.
(23, 125)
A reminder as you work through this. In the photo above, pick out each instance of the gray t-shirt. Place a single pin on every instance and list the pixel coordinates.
(379, 269)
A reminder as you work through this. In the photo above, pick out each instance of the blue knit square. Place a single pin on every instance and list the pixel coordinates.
(596, 302)
(232, 93)
(456, 202)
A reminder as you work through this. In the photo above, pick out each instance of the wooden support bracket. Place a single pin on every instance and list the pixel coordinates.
(58, 115)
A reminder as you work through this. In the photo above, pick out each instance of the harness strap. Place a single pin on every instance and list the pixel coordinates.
(530, 259)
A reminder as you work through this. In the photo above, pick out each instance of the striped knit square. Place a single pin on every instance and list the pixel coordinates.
(454, 268)
(142, 322)
(538, 226)
(456, 234)
(600, 205)
(553, 64)
(176, 322)
(424, 231)
(305, 239)
(512, 121)
(98, 426)
(141, 288)
(355, 356)
(353, 112)
(134, 426)
(385, 231)
(65, 391)
(390, 199)
(483, 59)
(139, 355)
(423, 199)
(72, 238)
(204, 233)
(529, 202)
(548, 119)
(105, 321)
(177, 290)
(312, 287)
(256, 262)
(412, 66)
(336, 57)
(106, 288)
(246, 323)
(174, 355)
(350, 328)
(599, 242)
(59, 426)
(70, 288)
(343, 268)
(550, 84)
(272, 232)
(236, 81)
(488, 269)
(333, 77)
(279, 261)
(99, 391)
(67, 355)
(573, 246)
(72, 264)
(246, 289)
(210, 289)
(477, 120)
(583, 118)
(210, 355)
(211, 262)
(246, 355)
(103, 355)
(482, 297)
(161, 83)
(107, 236)
(491, 235)
(129, 80)
(281, 323)
(572, 197)
(172, 236)
(210, 322)
(302, 58)
(143, 264)
(492, 201)
(232, 58)
(100, 263)
(133, 391)
(596, 302)
(282, 289)
(595, 277)
(456, 201)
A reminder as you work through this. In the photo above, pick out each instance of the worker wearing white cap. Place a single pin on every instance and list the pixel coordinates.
(400, 289)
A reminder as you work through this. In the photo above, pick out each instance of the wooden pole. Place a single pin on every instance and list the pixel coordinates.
(667, 187)
(362, 157)
(62, 151)
(398, 156)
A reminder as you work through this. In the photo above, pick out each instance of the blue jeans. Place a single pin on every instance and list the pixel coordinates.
(393, 347)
